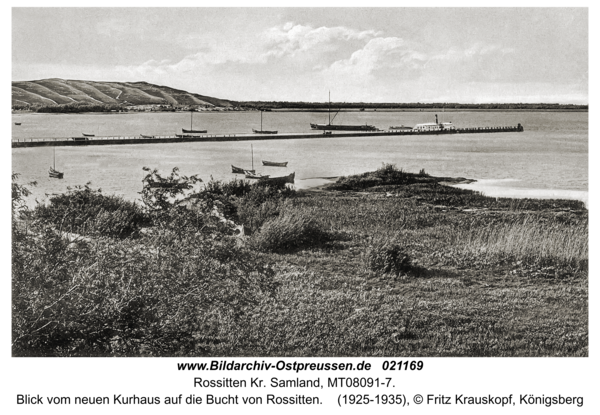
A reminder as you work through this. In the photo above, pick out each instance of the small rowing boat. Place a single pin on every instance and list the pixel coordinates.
(274, 163)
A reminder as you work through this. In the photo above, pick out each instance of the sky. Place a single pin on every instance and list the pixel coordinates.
(465, 55)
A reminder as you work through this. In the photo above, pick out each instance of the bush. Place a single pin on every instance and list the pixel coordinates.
(288, 232)
(89, 212)
(260, 204)
(173, 294)
(387, 257)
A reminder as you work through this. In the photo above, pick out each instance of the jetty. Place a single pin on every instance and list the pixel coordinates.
(157, 139)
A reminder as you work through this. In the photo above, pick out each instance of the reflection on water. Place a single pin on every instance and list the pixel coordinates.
(549, 158)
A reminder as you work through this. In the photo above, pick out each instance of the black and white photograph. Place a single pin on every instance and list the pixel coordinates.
(204, 187)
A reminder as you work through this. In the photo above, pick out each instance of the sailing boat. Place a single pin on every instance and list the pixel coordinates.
(191, 130)
(244, 171)
(330, 126)
(52, 172)
(261, 131)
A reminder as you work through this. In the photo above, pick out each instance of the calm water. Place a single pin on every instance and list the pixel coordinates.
(548, 159)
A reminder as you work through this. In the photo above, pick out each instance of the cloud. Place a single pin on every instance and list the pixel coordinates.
(292, 39)
(378, 53)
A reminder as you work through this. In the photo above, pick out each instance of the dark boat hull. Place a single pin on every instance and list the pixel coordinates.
(239, 170)
(256, 176)
(263, 131)
(343, 127)
(278, 180)
(194, 131)
(55, 174)
(274, 163)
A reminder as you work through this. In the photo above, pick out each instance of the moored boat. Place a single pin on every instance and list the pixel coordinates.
(274, 163)
(87, 135)
(250, 175)
(278, 180)
(239, 170)
(400, 127)
(52, 172)
(17, 123)
(194, 131)
(436, 126)
(263, 131)
(343, 127)
(55, 174)
(329, 126)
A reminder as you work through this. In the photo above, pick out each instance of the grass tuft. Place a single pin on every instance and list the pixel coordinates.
(387, 257)
(288, 232)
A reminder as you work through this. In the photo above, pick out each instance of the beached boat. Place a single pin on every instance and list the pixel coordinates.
(250, 175)
(274, 163)
(87, 135)
(278, 180)
(146, 136)
(342, 127)
(261, 131)
(52, 172)
(194, 131)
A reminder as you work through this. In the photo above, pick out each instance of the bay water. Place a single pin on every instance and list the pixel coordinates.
(547, 160)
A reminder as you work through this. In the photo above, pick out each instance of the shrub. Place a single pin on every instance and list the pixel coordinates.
(175, 294)
(236, 187)
(260, 204)
(287, 232)
(387, 257)
(89, 212)
(160, 193)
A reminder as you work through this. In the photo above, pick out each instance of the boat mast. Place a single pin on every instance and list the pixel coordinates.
(329, 110)
(191, 116)
(261, 121)
(54, 161)
(252, 149)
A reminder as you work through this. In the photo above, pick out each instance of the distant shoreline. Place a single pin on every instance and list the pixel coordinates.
(326, 110)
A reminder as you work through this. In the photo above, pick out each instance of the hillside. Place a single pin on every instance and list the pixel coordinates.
(63, 91)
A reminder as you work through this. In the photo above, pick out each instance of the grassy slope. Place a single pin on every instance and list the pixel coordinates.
(136, 93)
(444, 307)
(466, 293)
(454, 302)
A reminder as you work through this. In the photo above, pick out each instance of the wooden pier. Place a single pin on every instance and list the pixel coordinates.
(103, 141)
